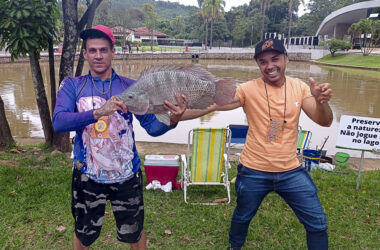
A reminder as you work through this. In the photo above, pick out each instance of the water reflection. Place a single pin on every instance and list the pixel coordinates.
(356, 92)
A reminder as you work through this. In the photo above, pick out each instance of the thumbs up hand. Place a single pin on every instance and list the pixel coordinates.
(322, 92)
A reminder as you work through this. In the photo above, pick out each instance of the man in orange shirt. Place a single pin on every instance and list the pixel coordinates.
(268, 161)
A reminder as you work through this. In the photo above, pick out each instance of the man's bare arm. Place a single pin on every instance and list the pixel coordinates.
(195, 113)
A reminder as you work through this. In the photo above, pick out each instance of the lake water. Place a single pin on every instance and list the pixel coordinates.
(355, 92)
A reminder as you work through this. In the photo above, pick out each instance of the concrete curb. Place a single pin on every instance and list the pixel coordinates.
(344, 66)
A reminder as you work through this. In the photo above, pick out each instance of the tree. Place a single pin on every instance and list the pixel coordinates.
(200, 2)
(90, 18)
(129, 18)
(177, 25)
(255, 26)
(150, 15)
(293, 5)
(26, 27)
(369, 32)
(264, 5)
(72, 27)
(213, 9)
(194, 26)
(103, 13)
(51, 63)
(239, 31)
(334, 45)
(6, 139)
(205, 17)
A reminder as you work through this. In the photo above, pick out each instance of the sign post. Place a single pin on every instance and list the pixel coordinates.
(359, 133)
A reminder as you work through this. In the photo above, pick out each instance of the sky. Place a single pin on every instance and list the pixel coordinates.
(229, 4)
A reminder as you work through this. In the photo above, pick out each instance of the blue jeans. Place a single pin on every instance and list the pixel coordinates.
(294, 186)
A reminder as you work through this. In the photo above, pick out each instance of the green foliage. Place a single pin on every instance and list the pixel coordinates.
(25, 25)
(335, 45)
(104, 13)
(150, 16)
(213, 9)
(166, 10)
(239, 31)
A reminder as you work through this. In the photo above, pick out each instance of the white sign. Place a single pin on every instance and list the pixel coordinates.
(361, 133)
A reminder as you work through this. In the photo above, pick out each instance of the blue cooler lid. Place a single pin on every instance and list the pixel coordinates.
(162, 160)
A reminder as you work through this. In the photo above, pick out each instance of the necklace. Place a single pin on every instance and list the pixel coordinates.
(102, 92)
(266, 92)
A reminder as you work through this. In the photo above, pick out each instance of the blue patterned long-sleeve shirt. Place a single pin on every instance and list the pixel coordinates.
(105, 152)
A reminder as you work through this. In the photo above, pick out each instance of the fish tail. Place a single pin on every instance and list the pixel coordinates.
(225, 91)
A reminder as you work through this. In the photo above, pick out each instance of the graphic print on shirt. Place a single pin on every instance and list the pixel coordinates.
(110, 156)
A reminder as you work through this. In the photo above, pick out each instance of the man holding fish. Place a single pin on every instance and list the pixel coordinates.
(106, 162)
(268, 161)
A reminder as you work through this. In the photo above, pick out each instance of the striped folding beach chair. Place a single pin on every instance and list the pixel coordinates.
(208, 163)
(304, 137)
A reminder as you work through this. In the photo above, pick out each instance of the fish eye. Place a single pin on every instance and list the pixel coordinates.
(130, 96)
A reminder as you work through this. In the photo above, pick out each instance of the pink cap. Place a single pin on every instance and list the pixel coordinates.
(99, 30)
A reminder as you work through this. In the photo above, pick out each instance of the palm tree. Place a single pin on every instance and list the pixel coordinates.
(292, 4)
(200, 2)
(212, 10)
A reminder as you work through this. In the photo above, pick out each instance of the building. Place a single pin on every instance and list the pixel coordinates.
(121, 33)
(336, 24)
(141, 34)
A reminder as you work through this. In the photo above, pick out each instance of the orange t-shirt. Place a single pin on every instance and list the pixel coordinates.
(259, 153)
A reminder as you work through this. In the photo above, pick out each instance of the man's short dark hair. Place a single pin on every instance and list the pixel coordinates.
(99, 31)
(94, 36)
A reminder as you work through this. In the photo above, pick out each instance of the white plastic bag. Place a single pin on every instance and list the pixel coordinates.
(157, 185)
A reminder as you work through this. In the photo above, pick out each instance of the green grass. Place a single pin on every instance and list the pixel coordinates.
(35, 200)
(372, 61)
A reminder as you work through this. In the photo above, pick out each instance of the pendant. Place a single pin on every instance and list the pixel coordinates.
(100, 129)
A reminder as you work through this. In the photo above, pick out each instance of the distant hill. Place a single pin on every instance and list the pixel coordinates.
(166, 10)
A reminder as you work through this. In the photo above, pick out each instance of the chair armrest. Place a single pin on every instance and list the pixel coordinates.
(183, 160)
(226, 162)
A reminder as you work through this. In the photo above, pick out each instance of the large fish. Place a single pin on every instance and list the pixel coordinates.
(159, 83)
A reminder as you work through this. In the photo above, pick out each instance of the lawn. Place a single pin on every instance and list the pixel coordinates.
(371, 61)
(36, 212)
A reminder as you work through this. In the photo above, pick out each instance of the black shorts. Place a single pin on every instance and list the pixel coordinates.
(89, 203)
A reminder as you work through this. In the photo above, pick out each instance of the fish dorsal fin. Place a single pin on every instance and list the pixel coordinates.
(196, 70)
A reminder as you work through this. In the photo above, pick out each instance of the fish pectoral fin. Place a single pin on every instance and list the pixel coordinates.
(164, 118)
(201, 103)
(140, 108)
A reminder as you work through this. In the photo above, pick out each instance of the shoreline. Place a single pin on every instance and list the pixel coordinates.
(344, 66)
(145, 148)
